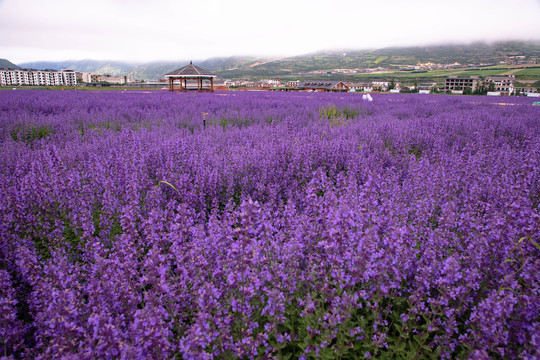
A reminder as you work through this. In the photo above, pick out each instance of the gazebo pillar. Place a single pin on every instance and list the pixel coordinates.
(211, 84)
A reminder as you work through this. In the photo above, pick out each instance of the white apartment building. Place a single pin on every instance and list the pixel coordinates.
(37, 77)
(86, 77)
(69, 77)
(502, 83)
(9, 77)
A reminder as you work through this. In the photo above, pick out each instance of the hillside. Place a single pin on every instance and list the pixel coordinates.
(156, 70)
(147, 71)
(97, 66)
(6, 64)
(235, 67)
(393, 58)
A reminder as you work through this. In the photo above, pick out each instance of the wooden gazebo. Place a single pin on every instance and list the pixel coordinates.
(187, 76)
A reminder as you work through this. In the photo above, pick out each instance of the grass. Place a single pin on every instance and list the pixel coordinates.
(30, 133)
(532, 73)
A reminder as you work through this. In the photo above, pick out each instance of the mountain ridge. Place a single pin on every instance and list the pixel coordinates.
(252, 67)
(6, 64)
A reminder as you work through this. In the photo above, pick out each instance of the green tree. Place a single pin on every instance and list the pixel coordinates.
(480, 90)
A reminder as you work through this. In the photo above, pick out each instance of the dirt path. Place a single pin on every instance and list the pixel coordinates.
(511, 72)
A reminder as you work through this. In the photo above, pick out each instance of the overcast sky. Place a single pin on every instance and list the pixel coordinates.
(146, 30)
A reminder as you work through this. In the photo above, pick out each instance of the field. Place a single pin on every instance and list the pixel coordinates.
(528, 73)
(268, 225)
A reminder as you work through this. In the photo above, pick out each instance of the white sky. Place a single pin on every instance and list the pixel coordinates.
(146, 30)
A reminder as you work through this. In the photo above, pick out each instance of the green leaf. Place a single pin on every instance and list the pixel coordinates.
(171, 185)
(328, 353)
(400, 346)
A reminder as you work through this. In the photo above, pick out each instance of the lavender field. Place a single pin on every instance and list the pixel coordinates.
(289, 226)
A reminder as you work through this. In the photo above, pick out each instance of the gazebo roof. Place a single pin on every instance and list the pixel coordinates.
(190, 71)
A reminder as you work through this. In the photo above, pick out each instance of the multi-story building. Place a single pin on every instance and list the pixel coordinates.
(89, 77)
(9, 77)
(501, 83)
(383, 85)
(461, 83)
(69, 77)
(526, 90)
(293, 83)
(112, 79)
(86, 77)
(37, 77)
(44, 77)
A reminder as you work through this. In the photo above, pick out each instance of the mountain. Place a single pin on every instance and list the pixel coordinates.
(235, 67)
(146, 71)
(155, 70)
(6, 64)
(393, 58)
(96, 66)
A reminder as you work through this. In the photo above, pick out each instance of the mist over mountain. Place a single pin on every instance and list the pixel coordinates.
(156, 69)
(393, 58)
(147, 71)
(97, 66)
(246, 66)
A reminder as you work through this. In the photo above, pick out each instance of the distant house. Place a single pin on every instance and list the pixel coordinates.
(323, 86)
(502, 83)
(460, 83)
(427, 86)
(293, 83)
(367, 87)
(355, 86)
(526, 90)
(382, 85)
(108, 78)
(284, 88)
